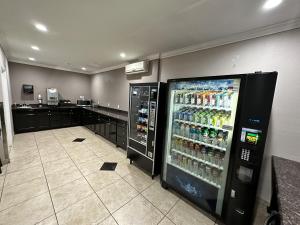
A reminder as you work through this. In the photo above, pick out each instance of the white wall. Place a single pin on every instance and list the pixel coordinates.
(6, 97)
(278, 52)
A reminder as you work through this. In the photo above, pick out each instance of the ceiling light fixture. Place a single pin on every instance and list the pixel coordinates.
(270, 4)
(83, 68)
(122, 54)
(41, 27)
(34, 47)
(31, 59)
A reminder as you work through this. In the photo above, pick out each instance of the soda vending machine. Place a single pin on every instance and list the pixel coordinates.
(146, 124)
(214, 141)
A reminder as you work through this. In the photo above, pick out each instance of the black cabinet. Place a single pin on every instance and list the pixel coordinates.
(112, 130)
(122, 134)
(56, 119)
(100, 125)
(28, 120)
(43, 120)
(25, 121)
(106, 127)
(90, 120)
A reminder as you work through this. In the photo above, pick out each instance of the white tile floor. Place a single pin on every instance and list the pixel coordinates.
(52, 180)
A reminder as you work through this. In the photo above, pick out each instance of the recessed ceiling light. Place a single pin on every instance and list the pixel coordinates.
(83, 68)
(122, 54)
(270, 4)
(41, 27)
(31, 59)
(35, 47)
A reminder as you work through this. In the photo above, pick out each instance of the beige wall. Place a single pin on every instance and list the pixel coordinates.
(111, 88)
(279, 52)
(69, 84)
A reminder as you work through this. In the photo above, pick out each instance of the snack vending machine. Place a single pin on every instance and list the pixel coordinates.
(214, 141)
(146, 124)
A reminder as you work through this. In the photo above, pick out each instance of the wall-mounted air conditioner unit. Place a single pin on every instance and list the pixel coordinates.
(138, 67)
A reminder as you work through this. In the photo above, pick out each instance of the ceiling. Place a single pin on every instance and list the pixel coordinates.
(93, 33)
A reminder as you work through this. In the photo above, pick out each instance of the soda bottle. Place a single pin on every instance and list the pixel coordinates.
(195, 167)
(212, 136)
(187, 131)
(212, 99)
(181, 98)
(193, 132)
(182, 129)
(204, 153)
(192, 148)
(193, 100)
(177, 98)
(204, 133)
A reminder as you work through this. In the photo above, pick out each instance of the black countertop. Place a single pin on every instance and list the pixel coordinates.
(36, 106)
(114, 113)
(287, 174)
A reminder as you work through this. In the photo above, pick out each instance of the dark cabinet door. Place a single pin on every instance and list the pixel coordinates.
(112, 135)
(122, 134)
(65, 117)
(43, 119)
(102, 126)
(25, 121)
(75, 117)
(55, 119)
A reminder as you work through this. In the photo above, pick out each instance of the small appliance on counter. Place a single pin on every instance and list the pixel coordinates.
(65, 102)
(82, 102)
(52, 96)
(40, 100)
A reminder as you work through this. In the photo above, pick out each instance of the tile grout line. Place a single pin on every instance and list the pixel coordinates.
(46, 179)
(91, 188)
(5, 174)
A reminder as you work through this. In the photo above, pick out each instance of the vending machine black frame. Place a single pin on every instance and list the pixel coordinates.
(231, 212)
(152, 167)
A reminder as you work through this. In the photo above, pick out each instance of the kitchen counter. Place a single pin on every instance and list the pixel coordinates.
(287, 177)
(114, 113)
(43, 107)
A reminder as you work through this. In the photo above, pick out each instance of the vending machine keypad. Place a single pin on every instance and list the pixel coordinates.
(245, 154)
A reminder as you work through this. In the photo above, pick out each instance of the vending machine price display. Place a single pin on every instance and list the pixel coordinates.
(250, 136)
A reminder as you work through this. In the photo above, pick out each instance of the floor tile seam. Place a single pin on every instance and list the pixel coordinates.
(45, 219)
(2, 189)
(98, 223)
(56, 171)
(65, 157)
(92, 189)
(21, 202)
(197, 208)
(46, 182)
(9, 172)
(139, 194)
(133, 186)
(171, 210)
(72, 204)
(124, 203)
(28, 181)
(60, 186)
(153, 204)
